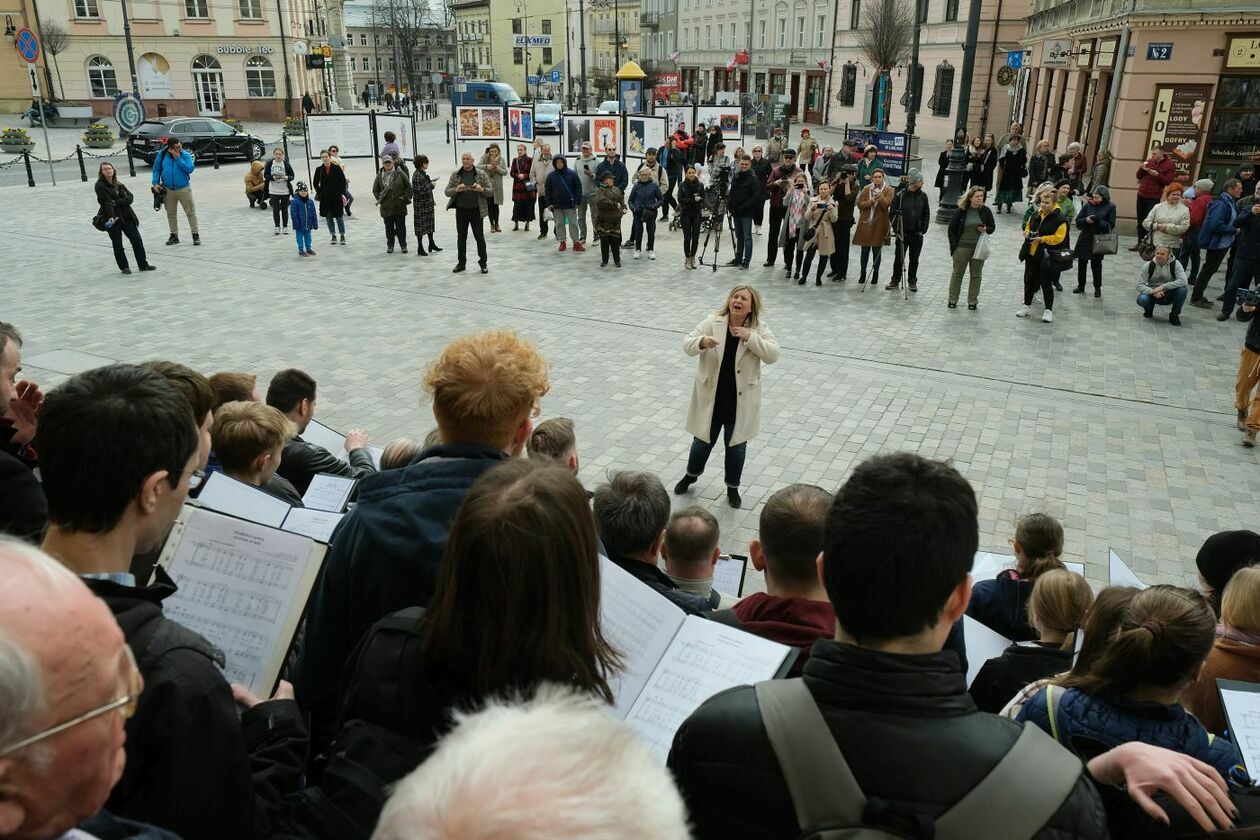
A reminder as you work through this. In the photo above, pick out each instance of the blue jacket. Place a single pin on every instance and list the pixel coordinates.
(563, 187)
(645, 196)
(304, 212)
(174, 172)
(621, 177)
(1001, 604)
(1078, 718)
(1217, 231)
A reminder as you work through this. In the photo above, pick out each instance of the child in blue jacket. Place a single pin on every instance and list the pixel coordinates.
(644, 200)
(304, 214)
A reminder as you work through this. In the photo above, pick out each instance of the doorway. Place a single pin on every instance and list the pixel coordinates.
(796, 95)
(208, 83)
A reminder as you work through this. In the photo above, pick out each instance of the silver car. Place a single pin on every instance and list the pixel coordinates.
(547, 118)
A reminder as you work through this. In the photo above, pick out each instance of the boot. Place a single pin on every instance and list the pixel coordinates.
(433, 248)
(1079, 290)
(420, 252)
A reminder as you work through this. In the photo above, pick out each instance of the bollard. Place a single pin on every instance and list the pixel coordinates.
(131, 161)
(78, 150)
(284, 141)
(30, 176)
(448, 132)
(214, 152)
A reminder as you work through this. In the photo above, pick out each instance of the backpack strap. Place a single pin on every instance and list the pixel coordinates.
(818, 779)
(1019, 795)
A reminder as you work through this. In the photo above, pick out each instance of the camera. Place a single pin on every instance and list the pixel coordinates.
(848, 169)
(1248, 297)
(720, 177)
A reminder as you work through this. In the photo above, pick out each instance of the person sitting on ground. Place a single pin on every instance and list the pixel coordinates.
(400, 453)
(516, 606)
(249, 440)
(884, 688)
(1235, 654)
(1132, 692)
(24, 512)
(293, 393)
(607, 783)
(136, 435)
(1001, 604)
(1162, 282)
(554, 440)
(794, 609)
(631, 512)
(387, 552)
(231, 386)
(690, 552)
(1221, 556)
(1060, 599)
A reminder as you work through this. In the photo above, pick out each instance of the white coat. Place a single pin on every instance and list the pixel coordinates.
(760, 347)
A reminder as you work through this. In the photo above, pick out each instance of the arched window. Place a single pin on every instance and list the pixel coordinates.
(206, 62)
(102, 80)
(207, 76)
(260, 78)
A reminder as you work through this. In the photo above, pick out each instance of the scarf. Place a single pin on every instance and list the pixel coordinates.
(870, 211)
(387, 178)
(1234, 634)
(796, 203)
(1009, 149)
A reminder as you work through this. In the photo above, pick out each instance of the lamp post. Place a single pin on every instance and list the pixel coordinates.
(582, 48)
(916, 82)
(958, 157)
(522, 9)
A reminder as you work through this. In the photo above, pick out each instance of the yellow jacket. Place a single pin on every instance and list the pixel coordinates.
(1056, 238)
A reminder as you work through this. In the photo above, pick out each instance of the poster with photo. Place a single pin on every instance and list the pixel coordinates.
(728, 117)
(492, 123)
(577, 130)
(606, 134)
(521, 123)
(643, 133)
(677, 115)
(477, 123)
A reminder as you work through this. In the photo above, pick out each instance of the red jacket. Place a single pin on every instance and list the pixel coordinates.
(798, 622)
(1152, 186)
(1198, 208)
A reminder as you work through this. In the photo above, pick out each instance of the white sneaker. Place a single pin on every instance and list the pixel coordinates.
(277, 230)
(651, 255)
(1023, 311)
(1047, 316)
(637, 254)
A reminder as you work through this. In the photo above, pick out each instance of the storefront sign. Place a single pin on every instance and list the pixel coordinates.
(1159, 51)
(890, 148)
(1243, 53)
(1177, 124)
(244, 49)
(531, 40)
(1056, 53)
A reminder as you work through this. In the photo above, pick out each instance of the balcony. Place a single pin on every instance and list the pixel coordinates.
(471, 36)
(650, 20)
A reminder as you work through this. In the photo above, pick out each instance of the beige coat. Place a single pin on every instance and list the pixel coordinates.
(872, 226)
(495, 173)
(760, 347)
(824, 234)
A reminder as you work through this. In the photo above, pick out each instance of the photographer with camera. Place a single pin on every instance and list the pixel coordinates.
(844, 190)
(690, 201)
(1162, 282)
(1247, 259)
(746, 195)
(779, 184)
(818, 235)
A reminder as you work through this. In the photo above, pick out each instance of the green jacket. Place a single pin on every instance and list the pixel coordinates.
(394, 201)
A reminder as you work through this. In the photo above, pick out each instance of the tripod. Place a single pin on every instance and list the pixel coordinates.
(719, 216)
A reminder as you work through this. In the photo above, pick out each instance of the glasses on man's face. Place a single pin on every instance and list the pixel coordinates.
(127, 703)
(196, 478)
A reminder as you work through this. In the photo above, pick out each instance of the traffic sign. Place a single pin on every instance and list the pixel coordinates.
(34, 80)
(555, 77)
(533, 80)
(27, 45)
(1015, 59)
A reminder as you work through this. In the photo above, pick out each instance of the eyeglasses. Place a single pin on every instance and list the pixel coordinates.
(196, 478)
(127, 703)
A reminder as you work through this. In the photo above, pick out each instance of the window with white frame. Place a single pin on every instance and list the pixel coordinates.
(708, 36)
(102, 80)
(196, 8)
(721, 40)
(761, 34)
(782, 33)
(249, 9)
(87, 9)
(735, 44)
(822, 30)
(260, 77)
(800, 31)
(362, 39)
(366, 63)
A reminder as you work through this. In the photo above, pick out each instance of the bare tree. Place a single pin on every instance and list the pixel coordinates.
(885, 38)
(55, 41)
(405, 21)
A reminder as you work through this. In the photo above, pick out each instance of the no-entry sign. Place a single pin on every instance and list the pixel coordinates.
(27, 45)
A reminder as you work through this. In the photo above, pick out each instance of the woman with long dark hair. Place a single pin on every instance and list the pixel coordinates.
(118, 219)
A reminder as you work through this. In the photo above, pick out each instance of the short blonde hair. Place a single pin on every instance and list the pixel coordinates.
(1240, 606)
(754, 311)
(245, 430)
(484, 385)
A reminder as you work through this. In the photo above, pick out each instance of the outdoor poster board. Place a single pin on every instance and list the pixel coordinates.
(606, 133)
(404, 128)
(890, 148)
(729, 117)
(1177, 125)
(643, 133)
(480, 122)
(676, 115)
(520, 123)
(350, 133)
(577, 130)
(630, 96)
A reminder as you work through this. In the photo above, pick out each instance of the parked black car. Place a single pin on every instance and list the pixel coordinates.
(198, 134)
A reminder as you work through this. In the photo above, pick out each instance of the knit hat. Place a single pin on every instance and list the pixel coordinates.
(1062, 182)
(1203, 185)
(916, 177)
(1104, 192)
(300, 186)
(1225, 553)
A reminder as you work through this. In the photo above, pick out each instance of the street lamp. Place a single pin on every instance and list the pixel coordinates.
(522, 9)
(958, 157)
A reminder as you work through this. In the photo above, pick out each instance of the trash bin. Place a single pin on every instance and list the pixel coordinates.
(161, 109)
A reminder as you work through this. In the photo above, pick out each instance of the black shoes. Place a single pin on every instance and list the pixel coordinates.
(125, 270)
(1224, 316)
(734, 261)
(684, 485)
(1079, 290)
(149, 267)
(196, 238)
(952, 305)
(732, 496)
(457, 269)
(1148, 313)
(801, 281)
(485, 269)
(1097, 293)
(972, 307)
(173, 240)
(1175, 320)
(767, 263)
(1057, 286)
(433, 248)
(389, 249)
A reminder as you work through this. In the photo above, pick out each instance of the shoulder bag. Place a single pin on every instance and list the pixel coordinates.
(1106, 243)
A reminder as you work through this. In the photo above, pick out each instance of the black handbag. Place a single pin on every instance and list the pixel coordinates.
(1060, 258)
(100, 222)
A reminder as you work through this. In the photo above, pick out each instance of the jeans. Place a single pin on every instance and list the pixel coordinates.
(1174, 297)
(1144, 206)
(1095, 266)
(691, 233)
(183, 198)
(337, 224)
(840, 259)
(608, 245)
(1038, 272)
(303, 238)
(396, 228)
(465, 218)
(566, 217)
(349, 202)
(911, 243)
(585, 211)
(743, 239)
(645, 218)
(772, 242)
(1246, 272)
(132, 233)
(280, 210)
(868, 252)
(734, 454)
(1248, 377)
(542, 220)
(1211, 262)
(963, 262)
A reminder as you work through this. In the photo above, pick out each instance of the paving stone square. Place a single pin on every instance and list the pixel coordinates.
(1120, 426)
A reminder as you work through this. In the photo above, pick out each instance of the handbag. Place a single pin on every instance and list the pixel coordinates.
(101, 222)
(981, 251)
(1106, 243)
(1146, 248)
(1060, 258)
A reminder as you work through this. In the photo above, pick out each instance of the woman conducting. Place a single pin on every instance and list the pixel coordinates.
(726, 394)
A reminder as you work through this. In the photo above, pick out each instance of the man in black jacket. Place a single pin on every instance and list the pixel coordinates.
(293, 392)
(23, 512)
(911, 212)
(119, 452)
(385, 555)
(745, 196)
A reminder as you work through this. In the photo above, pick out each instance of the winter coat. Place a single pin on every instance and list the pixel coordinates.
(1054, 227)
(955, 230)
(174, 173)
(675, 166)
(886, 711)
(846, 199)
(778, 191)
(1230, 659)
(1013, 166)
(774, 149)
(424, 207)
(610, 206)
(1152, 186)
(1198, 212)
(1176, 216)
(912, 211)
(659, 582)
(586, 169)
(1248, 238)
(746, 194)
(805, 151)
(195, 764)
(1104, 215)
(24, 513)
(1020, 665)
(621, 177)
(688, 192)
(1219, 224)
(760, 347)
(521, 166)
(645, 198)
(980, 166)
(254, 182)
(329, 183)
(658, 175)
(796, 203)
(822, 220)
(873, 226)
(269, 177)
(539, 170)
(116, 201)
(394, 200)
(1109, 721)
(1042, 167)
(563, 190)
(304, 212)
(866, 168)
(942, 166)
(301, 461)
(1001, 604)
(495, 172)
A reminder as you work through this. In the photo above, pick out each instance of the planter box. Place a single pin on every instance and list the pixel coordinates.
(17, 148)
(98, 144)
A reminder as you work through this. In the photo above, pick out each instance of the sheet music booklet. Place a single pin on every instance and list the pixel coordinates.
(335, 442)
(1120, 573)
(987, 565)
(983, 644)
(1241, 704)
(243, 586)
(673, 661)
(225, 494)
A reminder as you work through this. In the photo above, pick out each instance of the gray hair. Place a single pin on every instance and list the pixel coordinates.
(631, 510)
(8, 333)
(399, 453)
(558, 765)
(21, 690)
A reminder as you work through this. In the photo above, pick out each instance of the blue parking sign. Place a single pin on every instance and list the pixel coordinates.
(555, 77)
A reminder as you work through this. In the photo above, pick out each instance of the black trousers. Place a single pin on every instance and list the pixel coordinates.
(809, 258)
(670, 201)
(1211, 261)
(492, 213)
(777, 215)
(608, 245)
(1144, 206)
(396, 228)
(280, 210)
(466, 218)
(759, 215)
(840, 259)
(691, 233)
(132, 233)
(1095, 265)
(1039, 273)
(911, 244)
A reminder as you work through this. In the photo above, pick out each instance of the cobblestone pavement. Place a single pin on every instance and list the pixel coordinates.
(1120, 426)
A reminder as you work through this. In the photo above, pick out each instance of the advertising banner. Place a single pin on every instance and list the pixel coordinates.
(1177, 124)
(890, 148)
(350, 133)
